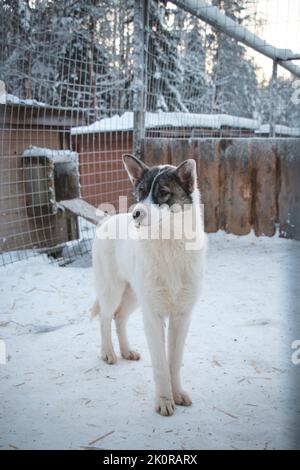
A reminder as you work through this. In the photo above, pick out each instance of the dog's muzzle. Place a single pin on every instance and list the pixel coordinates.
(139, 214)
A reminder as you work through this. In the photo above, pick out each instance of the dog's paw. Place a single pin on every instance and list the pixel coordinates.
(165, 406)
(109, 357)
(182, 398)
(131, 355)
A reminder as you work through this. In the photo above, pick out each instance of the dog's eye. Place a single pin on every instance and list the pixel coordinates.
(164, 193)
(141, 190)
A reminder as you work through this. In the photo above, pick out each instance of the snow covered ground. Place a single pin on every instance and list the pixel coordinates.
(55, 392)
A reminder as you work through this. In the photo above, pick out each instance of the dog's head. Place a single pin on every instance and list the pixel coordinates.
(167, 188)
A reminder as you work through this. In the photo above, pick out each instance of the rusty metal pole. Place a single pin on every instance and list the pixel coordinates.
(139, 74)
(273, 97)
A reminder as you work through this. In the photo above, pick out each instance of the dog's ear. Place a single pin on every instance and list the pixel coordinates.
(187, 174)
(135, 168)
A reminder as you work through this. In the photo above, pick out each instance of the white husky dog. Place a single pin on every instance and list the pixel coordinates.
(160, 274)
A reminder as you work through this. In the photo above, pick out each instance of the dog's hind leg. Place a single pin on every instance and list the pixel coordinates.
(108, 305)
(128, 304)
(107, 350)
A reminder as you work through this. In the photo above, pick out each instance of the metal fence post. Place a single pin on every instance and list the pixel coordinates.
(139, 65)
(273, 98)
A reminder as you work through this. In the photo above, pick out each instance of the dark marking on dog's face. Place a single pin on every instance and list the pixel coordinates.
(168, 189)
(162, 185)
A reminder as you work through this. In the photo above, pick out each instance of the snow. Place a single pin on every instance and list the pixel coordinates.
(183, 119)
(57, 393)
(7, 98)
(57, 156)
(165, 119)
(279, 130)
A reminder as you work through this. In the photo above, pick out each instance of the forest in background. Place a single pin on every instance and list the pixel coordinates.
(79, 55)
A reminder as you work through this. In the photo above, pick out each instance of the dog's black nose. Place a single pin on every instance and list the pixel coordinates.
(139, 214)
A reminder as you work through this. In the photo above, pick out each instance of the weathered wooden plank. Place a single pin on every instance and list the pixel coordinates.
(289, 191)
(81, 208)
(237, 188)
(244, 183)
(264, 182)
(156, 151)
(181, 150)
(221, 146)
(208, 159)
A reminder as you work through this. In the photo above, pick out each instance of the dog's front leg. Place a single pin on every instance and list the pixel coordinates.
(155, 333)
(178, 328)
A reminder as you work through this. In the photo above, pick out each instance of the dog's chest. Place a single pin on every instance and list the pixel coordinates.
(170, 272)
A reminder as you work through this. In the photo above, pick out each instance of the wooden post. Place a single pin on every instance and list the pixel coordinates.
(139, 74)
(273, 99)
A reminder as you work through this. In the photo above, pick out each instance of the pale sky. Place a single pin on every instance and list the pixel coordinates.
(281, 28)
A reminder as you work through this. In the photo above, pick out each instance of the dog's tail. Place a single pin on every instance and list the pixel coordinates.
(95, 310)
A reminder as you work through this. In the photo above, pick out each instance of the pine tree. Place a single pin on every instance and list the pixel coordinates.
(16, 46)
(286, 110)
(164, 70)
(233, 74)
(83, 72)
(60, 53)
(122, 55)
(196, 89)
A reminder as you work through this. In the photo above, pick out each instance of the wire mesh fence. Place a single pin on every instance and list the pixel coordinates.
(84, 82)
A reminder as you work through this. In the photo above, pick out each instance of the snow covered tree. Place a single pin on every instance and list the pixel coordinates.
(164, 70)
(83, 73)
(17, 45)
(122, 55)
(79, 55)
(63, 53)
(195, 89)
(233, 74)
(286, 110)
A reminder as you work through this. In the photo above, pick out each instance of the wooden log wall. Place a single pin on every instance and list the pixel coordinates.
(245, 184)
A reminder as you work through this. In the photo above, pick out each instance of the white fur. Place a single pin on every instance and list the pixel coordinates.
(164, 279)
